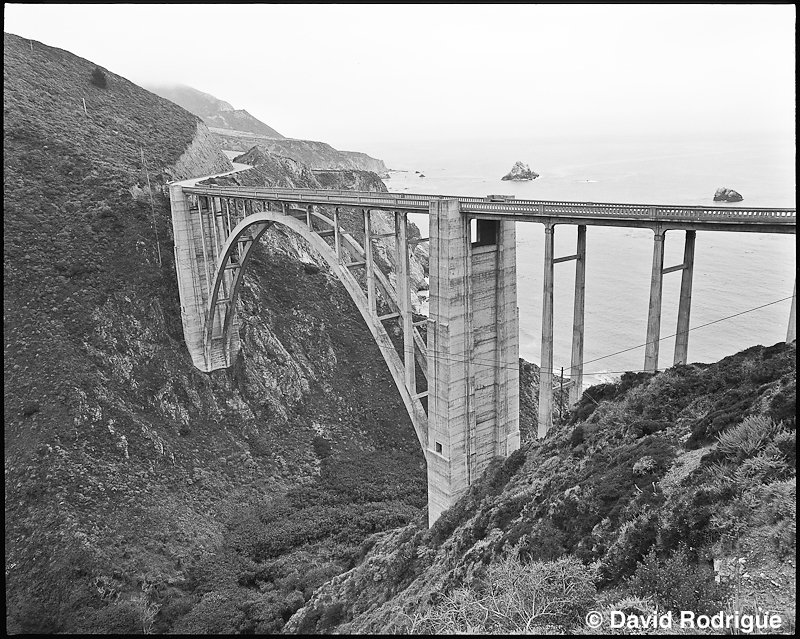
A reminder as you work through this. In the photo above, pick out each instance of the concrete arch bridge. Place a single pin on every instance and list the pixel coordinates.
(469, 412)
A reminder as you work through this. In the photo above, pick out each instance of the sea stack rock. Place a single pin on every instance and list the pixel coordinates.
(727, 195)
(521, 171)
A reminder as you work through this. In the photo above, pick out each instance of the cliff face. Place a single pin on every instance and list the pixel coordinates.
(316, 155)
(213, 111)
(128, 472)
(688, 471)
(202, 157)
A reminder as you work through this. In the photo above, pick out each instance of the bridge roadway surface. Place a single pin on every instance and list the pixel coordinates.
(712, 218)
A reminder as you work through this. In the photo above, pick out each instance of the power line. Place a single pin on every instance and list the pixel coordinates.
(480, 362)
(694, 328)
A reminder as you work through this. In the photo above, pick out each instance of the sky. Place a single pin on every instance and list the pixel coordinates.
(359, 75)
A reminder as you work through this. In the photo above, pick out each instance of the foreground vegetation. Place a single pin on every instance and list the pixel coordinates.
(674, 490)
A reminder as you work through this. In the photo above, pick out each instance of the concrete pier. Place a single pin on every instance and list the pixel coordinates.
(369, 264)
(654, 313)
(576, 367)
(404, 298)
(546, 373)
(473, 352)
(545, 418)
(685, 303)
(791, 332)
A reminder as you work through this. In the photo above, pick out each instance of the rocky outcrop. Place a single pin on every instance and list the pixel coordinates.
(724, 194)
(316, 155)
(519, 172)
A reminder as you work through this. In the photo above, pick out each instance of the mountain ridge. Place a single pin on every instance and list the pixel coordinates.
(212, 110)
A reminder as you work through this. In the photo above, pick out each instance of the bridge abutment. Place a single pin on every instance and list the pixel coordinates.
(473, 351)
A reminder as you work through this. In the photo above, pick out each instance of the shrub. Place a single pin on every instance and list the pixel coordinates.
(99, 78)
(124, 617)
(30, 408)
(676, 583)
(515, 597)
(216, 613)
(748, 437)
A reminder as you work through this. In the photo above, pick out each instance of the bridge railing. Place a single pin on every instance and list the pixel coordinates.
(475, 205)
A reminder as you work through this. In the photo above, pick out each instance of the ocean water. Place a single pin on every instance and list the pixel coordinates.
(734, 272)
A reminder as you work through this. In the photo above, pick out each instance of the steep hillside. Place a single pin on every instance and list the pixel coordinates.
(132, 479)
(213, 111)
(317, 155)
(653, 483)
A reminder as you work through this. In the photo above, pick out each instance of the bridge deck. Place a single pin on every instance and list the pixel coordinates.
(723, 218)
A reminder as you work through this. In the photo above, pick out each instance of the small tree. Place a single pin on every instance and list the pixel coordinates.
(99, 78)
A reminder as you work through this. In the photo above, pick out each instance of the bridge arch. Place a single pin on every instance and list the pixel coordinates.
(234, 254)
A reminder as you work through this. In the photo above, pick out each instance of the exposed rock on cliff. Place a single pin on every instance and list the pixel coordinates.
(316, 155)
(213, 111)
(520, 171)
(723, 194)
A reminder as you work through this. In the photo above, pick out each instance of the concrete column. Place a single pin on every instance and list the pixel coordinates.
(576, 367)
(228, 216)
(370, 266)
(685, 304)
(791, 332)
(336, 234)
(404, 298)
(309, 222)
(507, 331)
(448, 357)
(545, 420)
(654, 313)
(206, 265)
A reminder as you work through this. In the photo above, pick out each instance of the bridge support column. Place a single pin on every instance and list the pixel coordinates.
(654, 313)
(473, 408)
(791, 332)
(404, 299)
(370, 266)
(337, 238)
(545, 420)
(576, 367)
(685, 304)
